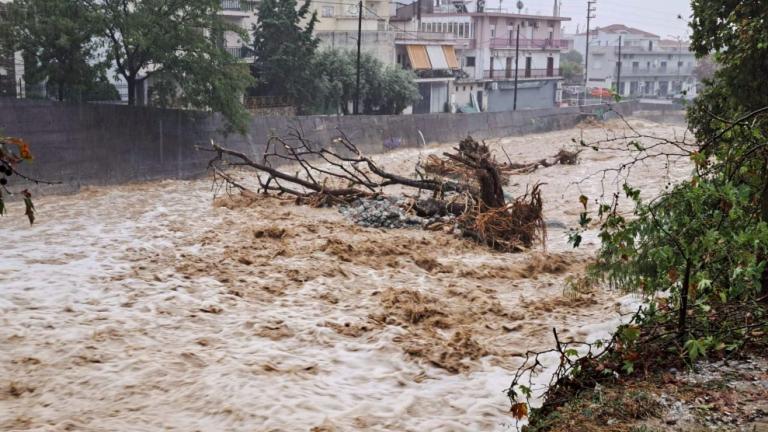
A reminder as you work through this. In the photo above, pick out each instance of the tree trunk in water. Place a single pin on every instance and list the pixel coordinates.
(682, 319)
(491, 191)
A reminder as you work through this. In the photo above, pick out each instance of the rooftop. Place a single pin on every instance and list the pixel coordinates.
(620, 29)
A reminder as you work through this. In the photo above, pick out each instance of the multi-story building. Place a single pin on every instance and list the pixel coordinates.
(650, 66)
(337, 27)
(485, 42)
(241, 13)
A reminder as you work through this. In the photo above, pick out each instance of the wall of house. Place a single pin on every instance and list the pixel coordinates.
(381, 44)
(110, 144)
(342, 15)
(530, 95)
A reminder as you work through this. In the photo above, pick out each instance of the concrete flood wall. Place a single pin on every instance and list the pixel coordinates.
(95, 144)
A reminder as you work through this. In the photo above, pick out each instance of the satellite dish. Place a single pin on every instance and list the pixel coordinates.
(519, 6)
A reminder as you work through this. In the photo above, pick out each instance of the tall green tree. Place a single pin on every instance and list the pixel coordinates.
(58, 43)
(383, 89)
(571, 67)
(180, 43)
(284, 47)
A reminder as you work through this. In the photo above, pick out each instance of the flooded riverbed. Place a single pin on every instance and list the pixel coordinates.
(150, 307)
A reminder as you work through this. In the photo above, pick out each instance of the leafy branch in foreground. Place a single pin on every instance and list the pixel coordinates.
(13, 152)
(697, 251)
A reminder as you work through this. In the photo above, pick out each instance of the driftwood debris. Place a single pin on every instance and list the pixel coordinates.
(469, 189)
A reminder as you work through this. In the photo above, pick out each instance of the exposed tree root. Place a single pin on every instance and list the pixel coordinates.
(465, 185)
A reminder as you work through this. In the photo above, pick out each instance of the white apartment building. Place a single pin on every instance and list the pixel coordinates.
(650, 66)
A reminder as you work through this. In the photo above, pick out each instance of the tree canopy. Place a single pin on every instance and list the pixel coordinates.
(177, 44)
(59, 44)
(571, 67)
(384, 89)
(284, 46)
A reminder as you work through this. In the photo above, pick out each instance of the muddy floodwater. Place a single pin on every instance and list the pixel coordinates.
(151, 307)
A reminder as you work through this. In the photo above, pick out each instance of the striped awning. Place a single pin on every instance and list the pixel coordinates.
(450, 57)
(437, 57)
(418, 56)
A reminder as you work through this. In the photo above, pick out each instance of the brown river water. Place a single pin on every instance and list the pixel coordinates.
(151, 307)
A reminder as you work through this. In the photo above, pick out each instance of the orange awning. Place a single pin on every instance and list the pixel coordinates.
(450, 57)
(417, 54)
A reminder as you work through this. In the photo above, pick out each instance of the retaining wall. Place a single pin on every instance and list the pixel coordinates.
(98, 144)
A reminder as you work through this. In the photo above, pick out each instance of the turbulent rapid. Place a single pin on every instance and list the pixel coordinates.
(153, 306)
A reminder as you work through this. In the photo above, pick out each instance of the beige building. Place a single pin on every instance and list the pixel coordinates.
(338, 22)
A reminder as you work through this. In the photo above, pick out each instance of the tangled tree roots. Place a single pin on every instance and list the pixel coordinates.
(513, 227)
(465, 184)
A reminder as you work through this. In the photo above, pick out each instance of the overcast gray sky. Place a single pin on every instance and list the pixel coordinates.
(655, 16)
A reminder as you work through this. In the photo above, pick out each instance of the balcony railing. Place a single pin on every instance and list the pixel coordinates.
(240, 52)
(237, 5)
(522, 73)
(528, 43)
(668, 71)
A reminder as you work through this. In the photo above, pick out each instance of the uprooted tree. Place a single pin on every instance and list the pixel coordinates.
(466, 184)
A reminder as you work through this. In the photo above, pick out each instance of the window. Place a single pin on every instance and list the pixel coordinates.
(679, 64)
(470, 61)
(663, 66)
(327, 11)
(493, 30)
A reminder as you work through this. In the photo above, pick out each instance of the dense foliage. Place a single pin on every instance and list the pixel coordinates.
(705, 240)
(284, 47)
(58, 42)
(383, 89)
(176, 45)
(572, 67)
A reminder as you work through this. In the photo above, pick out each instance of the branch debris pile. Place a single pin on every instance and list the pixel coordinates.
(460, 191)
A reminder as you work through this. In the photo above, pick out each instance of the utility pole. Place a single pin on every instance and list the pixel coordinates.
(618, 73)
(590, 9)
(679, 60)
(517, 58)
(356, 105)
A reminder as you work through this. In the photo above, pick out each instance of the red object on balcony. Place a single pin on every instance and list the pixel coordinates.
(601, 92)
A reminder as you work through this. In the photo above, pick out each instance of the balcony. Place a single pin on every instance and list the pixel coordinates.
(521, 73)
(543, 44)
(239, 52)
(659, 71)
(241, 8)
